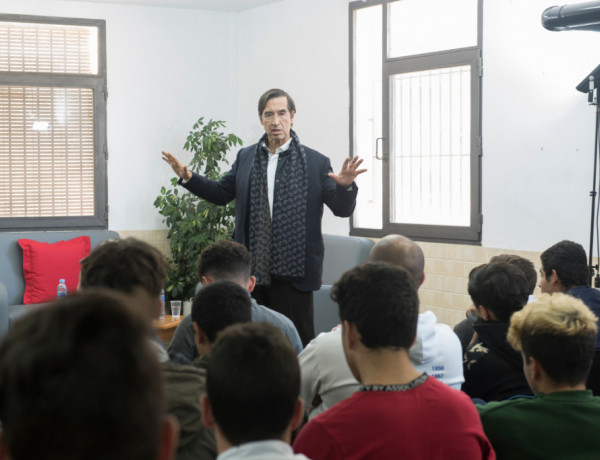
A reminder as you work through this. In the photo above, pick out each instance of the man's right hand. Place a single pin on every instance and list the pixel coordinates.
(180, 169)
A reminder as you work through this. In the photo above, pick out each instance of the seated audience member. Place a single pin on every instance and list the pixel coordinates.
(226, 259)
(464, 330)
(493, 369)
(326, 377)
(565, 269)
(78, 380)
(398, 412)
(556, 337)
(219, 305)
(252, 402)
(136, 269)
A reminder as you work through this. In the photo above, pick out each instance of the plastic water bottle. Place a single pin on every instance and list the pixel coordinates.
(61, 290)
(162, 303)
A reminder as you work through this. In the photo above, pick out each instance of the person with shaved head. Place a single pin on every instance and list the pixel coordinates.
(400, 250)
(326, 377)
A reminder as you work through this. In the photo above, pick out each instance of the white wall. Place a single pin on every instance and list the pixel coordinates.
(538, 131)
(166, 68)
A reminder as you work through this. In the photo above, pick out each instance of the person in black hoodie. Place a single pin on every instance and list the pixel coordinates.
(464, 329)
(492, 368)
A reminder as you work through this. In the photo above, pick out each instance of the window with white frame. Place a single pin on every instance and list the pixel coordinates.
(52, 123)
(416, 95)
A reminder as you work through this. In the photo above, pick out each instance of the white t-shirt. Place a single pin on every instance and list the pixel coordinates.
(325, 372)
(261, 450)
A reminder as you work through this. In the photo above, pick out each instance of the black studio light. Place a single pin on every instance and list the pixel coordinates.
(580, 16)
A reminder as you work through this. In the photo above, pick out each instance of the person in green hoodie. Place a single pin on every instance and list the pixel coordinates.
(556, 337)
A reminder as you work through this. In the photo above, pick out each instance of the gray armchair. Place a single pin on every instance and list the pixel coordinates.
(341, 254)
(3, 309)
(12, 282)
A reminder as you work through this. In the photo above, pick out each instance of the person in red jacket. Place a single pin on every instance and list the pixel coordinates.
(397, 412)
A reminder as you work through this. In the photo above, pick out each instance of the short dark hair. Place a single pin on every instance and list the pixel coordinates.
(499, 287)
(78, 380)
(225, 259)
(272, 93)
(221, 304)
(124, 265)
(523, 264)
(560, 332)
(570, 262)
(382, 301)
(252, 382)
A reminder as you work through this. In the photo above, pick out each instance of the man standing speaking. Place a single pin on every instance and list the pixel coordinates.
(280, 186)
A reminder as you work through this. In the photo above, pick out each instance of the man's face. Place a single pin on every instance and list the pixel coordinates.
(546, 284)
(277, 121)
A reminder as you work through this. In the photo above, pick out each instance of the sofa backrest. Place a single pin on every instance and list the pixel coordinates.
(11, 255)
(343, 253)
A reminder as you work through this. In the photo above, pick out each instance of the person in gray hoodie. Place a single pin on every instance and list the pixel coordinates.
(326, 377)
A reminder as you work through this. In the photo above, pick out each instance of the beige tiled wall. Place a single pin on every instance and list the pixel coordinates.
(447, 268)
(157, 238)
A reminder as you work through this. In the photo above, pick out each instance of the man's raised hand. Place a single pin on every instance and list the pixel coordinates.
(180, 169)
(349, 172)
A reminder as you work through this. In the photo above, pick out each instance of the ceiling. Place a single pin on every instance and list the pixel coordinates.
(220, 5)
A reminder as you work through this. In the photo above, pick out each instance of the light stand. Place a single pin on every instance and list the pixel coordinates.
(589, 85)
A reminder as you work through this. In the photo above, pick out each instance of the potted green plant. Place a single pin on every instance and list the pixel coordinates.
(195, 223)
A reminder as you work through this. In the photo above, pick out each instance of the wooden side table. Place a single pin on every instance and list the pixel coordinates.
(165, 327)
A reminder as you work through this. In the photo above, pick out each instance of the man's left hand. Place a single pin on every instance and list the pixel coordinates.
(349, 172)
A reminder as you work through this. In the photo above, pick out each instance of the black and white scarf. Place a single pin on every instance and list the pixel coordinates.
(278, 244)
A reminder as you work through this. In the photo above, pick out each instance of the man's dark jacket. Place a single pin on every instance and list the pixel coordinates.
(321, 190)
(590, 297)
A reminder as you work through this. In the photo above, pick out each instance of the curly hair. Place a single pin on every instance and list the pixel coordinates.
(382, 301)
(123, 265)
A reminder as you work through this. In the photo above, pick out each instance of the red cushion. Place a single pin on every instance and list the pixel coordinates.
(44, 264)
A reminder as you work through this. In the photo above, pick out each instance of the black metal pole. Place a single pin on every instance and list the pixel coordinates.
(593, 195)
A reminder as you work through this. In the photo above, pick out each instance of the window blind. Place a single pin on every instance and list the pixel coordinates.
(53, 48)
(46, 152)
(47, 131)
